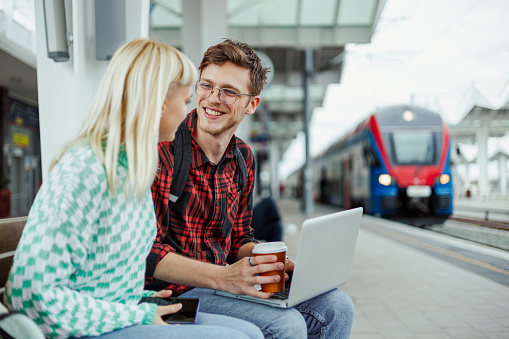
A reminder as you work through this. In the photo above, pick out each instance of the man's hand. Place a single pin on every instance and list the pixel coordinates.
(163, 310)
(290, 265)
(240, 277)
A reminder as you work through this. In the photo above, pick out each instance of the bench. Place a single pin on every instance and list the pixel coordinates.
(10, 234)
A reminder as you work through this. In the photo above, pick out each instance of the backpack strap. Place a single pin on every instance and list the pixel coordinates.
(181, 150)
(241, 166)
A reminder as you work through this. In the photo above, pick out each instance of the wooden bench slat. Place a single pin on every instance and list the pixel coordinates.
(5, 267)
(10, 234)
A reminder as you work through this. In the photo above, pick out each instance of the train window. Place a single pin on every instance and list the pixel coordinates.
(413, 147)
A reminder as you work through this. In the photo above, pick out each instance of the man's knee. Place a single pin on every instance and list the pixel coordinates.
(347, 307)
(330, 313)
(289, 324)
(341, 307)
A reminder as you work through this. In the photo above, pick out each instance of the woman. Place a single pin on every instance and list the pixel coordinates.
(80, 264)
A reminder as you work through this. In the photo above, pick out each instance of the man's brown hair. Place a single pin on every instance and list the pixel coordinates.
(240, 54)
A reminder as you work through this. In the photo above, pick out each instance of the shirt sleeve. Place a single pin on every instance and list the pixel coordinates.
(242, 232)
(52, 248)
(160, 196)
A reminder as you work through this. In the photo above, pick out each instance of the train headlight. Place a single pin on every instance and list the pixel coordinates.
(445, 178)
(384, 179)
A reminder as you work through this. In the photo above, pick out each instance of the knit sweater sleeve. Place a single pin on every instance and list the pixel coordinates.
(52, 252)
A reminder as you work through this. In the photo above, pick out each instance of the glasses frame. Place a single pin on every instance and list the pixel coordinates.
(221, 91)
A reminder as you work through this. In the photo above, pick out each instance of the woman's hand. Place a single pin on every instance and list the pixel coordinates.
(164, 310)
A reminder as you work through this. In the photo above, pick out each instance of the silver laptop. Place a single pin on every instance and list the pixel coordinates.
(324, 258)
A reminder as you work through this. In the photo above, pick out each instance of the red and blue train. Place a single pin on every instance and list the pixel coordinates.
(396, 163)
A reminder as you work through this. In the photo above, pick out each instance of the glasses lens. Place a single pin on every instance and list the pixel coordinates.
(203, 89)
(228, 96)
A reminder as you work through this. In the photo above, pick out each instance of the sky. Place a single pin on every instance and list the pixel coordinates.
(425, 52)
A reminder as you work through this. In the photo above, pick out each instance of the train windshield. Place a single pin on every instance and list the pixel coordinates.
(413, 148)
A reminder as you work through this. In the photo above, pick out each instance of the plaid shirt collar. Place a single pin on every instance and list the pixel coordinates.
(199, 161)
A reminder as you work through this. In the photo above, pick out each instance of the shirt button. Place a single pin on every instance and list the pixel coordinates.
(218, 203)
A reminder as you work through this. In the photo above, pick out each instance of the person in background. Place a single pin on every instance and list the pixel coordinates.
(267, 224)
(80, 265)
(204, 241)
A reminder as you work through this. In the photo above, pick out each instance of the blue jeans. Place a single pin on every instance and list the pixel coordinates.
(210, 326)
(329, 315)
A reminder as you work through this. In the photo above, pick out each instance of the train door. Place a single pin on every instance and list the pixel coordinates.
(346, 181)
(359, 174)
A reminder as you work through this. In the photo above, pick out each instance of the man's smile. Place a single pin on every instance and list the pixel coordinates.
(212, 112)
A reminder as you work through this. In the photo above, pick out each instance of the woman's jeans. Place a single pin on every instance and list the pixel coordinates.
(210, 326)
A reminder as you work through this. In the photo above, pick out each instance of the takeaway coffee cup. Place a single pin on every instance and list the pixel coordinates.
(277, 248)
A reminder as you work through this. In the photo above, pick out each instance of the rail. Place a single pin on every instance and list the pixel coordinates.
(485, 211)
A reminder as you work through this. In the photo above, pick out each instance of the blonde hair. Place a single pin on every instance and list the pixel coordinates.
(126, 110)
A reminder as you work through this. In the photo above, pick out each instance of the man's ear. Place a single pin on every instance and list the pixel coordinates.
(252, 105)
(165, 103)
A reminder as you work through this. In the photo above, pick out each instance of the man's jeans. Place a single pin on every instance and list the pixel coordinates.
(329, 315)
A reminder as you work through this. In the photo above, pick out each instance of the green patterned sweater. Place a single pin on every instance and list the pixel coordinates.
(79, 268)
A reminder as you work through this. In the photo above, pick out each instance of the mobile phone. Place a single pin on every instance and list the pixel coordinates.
(187, 314)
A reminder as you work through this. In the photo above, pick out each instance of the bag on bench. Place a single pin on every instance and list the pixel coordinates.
(16, 325)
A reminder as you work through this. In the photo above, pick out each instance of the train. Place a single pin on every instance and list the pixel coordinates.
(394, 164)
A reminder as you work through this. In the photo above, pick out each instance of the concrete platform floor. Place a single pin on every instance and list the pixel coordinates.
(401, 292)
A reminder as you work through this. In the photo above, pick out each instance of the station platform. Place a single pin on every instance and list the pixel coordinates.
(494, 208)
(400, 290)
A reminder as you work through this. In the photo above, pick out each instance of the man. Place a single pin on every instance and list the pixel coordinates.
(205, 239)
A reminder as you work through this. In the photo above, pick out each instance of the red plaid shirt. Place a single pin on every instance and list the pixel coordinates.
(210, 221)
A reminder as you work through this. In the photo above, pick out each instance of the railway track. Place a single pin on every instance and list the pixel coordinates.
(490, 233)
(485, 223)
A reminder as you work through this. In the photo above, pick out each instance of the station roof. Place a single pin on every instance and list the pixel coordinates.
(279, 30)
(479, 106)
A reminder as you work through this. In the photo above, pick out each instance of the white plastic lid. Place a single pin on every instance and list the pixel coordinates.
(269, 247)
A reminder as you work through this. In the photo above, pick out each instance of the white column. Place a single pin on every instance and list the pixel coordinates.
(274, 157)
(502, 173)
(66, 88)
(482, 135)
(468, 182)
(7, 10)
(204, 24)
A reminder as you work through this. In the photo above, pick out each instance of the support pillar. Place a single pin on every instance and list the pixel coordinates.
(502, 173)
(308, 166)
(482, 135)
(204, 24)
(274, 156)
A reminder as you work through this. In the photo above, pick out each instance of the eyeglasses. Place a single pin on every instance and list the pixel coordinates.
(226, 95)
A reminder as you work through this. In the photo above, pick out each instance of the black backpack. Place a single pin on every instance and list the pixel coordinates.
(182, 151)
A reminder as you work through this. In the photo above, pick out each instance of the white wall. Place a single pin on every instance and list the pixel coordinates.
(66, 88)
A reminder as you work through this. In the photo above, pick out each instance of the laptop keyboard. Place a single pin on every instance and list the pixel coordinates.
(282, 295)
